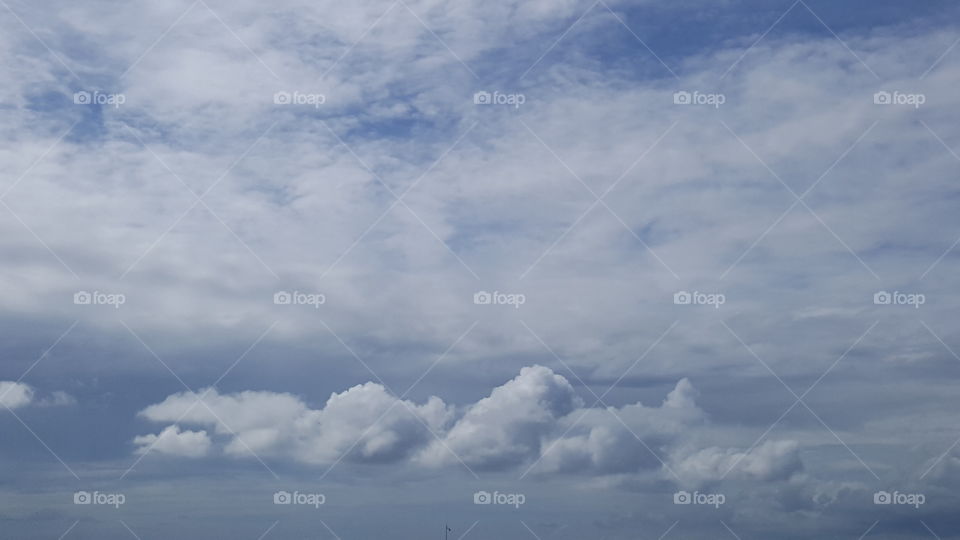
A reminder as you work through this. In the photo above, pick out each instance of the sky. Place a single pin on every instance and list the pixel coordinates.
(486, 269)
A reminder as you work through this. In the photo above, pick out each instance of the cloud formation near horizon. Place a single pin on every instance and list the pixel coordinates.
(534, 418)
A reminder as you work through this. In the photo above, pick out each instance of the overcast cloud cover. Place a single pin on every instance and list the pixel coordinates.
(644, 269)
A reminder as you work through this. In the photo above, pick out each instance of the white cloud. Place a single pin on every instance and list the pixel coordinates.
(507, 428)
(15, 394)
(626, 439)
(364, 421)
(772, 460)
(174, 442)
(535, 418)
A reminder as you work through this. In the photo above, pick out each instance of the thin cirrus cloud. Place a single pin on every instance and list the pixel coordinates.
(302, 198)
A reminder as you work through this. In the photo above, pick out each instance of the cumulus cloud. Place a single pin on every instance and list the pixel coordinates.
(174, 442)
(536, 418)
(625, 439)
(364, 422)
(772, 460)
(508, 427)
(15, 394)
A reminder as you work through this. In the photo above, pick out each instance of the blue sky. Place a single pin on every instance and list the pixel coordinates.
(588, 295)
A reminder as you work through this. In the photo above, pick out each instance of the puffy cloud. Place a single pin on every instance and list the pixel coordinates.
(507, 428)
(772, 460)
(536, 418)
(625, 439)
(365, 422)
(15, 394)
(175, 442)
